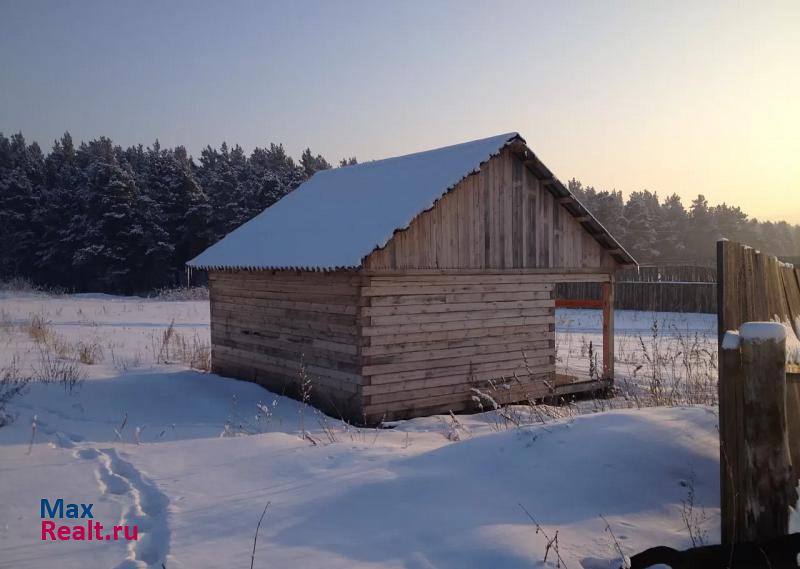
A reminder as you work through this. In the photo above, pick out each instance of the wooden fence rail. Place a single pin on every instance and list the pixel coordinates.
(758, 299)
(650, 296)
(659, 288)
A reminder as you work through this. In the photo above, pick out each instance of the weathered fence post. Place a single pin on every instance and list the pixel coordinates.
(730, 435)
(608, 328)
(757, 482)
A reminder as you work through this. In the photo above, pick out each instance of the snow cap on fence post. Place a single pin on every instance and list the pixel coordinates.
(731, 340)
(762, 332)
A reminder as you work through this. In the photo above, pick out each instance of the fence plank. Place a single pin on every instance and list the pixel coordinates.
(759, 402)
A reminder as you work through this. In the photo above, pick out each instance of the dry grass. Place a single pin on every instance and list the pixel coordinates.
(182, 293)
(23, 285)
(666, 369)
(57, 359)
(676, 368)
(38, 329)
(6, 322)
(12, 384)
(170, 346)
(89, 353)
(50, 368)
(668, 366)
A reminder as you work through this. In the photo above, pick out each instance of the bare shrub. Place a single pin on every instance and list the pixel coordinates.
(12, 385)
(38, 329)
(244, 423)
(305, 394)
(695, 521)
(6, 322)
(328, 429)
(676, 368)
(624, 558)
(162, 343)
(24, 285)
(52, 369)
(551, 543)
(193, 352)
(89, 353)
(182, 293)
(453, 427)
(170, 346)
(122, 362)
(18, 284)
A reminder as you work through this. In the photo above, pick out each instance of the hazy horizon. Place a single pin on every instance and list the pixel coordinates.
(682, 98)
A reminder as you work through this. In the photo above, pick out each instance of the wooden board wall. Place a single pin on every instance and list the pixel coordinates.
(498, 218)
(428, 339)
(263, 325)
(754, 287)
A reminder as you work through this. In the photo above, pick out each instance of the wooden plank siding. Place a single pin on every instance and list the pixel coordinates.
(463, 298)
(498, 218)
(264, 323)
(428, 339)
(383, 347)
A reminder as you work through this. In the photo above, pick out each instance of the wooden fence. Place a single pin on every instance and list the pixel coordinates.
(759, 391)
(660, 288)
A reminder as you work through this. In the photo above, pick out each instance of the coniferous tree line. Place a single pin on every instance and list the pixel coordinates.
(95, 216)
(656, 230)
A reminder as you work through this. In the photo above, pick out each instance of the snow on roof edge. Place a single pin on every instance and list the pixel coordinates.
(497, 145)
(507, 138)
(512, 137)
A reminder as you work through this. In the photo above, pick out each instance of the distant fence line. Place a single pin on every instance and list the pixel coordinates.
(671, 288)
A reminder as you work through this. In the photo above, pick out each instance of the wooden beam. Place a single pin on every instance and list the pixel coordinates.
(608, 329)
(582, 387)
(591, 274)
(579, 303)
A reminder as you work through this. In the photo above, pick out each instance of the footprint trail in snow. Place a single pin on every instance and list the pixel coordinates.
(144, 505)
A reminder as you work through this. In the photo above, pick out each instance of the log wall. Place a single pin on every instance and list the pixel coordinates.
(380, 346)
(263, 324)
(427, 340)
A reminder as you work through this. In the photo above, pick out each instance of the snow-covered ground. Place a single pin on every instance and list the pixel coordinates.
(193, 458)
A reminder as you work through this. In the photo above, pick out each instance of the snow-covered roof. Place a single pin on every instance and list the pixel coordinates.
(339, 216)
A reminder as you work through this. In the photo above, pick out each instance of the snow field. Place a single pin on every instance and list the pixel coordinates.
(192, 458)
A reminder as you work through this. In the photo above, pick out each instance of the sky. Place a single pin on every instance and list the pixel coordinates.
(681, 97)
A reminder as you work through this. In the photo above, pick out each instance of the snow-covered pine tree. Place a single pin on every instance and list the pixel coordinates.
(671, 228)
(640, 221)
(21, 179)
(312, 164)
(120, 246)
(55, 209)
(702, 233)
(219, 180)
(181, 207)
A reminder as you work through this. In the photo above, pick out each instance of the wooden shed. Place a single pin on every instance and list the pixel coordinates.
(402, 285)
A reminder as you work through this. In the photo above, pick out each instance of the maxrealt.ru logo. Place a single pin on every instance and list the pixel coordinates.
(88, 530)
